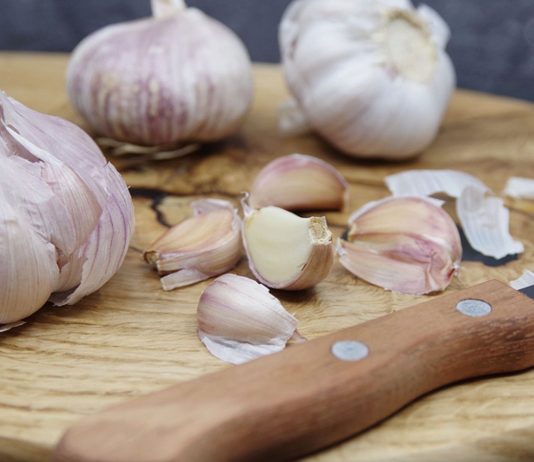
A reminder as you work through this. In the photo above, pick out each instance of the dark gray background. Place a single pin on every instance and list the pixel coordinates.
(492, 44)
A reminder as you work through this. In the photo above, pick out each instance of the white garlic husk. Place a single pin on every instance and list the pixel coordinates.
(239, 320)
(404, 244)
(176, 77)
(200, 247)
(370, 76)
(66, 216)
(286, 251)
(299, 182)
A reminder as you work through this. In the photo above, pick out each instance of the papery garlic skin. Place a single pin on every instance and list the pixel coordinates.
(65, 212)
(408, 245)
(178, 77)
(286, 251)
(371, 76)
(519, 188)
(205, 245)
(428, 182)
(486, 222)
(299, 182)
(523, 281)
(239, 320)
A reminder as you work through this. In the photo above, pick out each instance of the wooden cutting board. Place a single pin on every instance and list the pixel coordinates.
(132, 338)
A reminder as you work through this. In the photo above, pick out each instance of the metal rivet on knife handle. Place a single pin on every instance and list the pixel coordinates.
(350, 350)
(474, 308)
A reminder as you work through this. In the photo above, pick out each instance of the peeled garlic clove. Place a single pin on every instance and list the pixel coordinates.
(299, 182)
(519, 188)
(428, 182)
(485, 221)
(239, 320)
(358, 68)
(286, 251)
(66, 213)
(176, 77)
(200, 247)
(408, 245)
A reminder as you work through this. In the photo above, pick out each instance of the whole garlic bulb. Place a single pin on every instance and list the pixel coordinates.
(178, 76)
(66, 216)
(371, 76)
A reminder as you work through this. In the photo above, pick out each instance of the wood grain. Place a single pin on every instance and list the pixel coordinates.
(304, 399)
(131, 338)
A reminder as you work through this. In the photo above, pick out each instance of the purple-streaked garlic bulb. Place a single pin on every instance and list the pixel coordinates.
(175, 77)
(66, 216)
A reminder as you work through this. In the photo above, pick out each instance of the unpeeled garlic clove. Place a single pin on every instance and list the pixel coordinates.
(299, 182)
(408, 245)
(286, 251)
(205, 245)
(239, 320)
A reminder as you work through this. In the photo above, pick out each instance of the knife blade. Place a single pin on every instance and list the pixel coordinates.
(318, 393)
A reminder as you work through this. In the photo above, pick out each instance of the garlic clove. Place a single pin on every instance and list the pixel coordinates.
(286, 251)
(408, 245)
(519, 188)
(429, 182)
(239, 320)
(523, 281)
(299, 182)
(200, 247)
(485, 221)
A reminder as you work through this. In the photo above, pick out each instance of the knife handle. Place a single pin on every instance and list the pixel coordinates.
(312, 395)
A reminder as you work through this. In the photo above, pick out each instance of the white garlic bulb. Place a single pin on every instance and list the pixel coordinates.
(178, 76)
(371, 76)
(66, 216)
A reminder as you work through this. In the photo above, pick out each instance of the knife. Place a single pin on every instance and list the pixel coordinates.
(312, 395)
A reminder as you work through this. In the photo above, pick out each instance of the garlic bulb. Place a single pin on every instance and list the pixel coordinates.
(286, 251)
(203, 246)
(371, 76)
(408, 245)
(239, 320)
(175, 77)
(66, 215)
(299, 182)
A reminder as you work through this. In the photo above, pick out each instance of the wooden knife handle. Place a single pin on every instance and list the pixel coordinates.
(305, 398)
